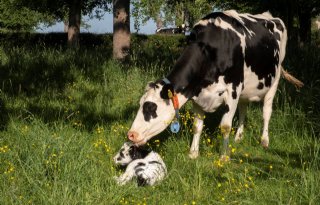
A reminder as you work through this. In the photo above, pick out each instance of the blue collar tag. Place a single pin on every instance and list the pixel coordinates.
(175, 126)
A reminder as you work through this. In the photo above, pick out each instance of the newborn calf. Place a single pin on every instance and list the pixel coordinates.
(147, 166)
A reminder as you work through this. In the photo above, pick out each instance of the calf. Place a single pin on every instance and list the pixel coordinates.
(232, 59)
(148, 167)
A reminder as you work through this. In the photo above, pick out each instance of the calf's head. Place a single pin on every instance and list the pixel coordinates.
(155, 113)
(129, 152)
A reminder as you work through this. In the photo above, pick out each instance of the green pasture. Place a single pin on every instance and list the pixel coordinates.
(64, 114)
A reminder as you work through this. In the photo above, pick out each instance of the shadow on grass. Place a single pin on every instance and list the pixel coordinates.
(33, 71)
(82, 117)
(4, 115)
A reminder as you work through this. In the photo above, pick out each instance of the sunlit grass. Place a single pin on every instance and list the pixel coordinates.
(58, 142)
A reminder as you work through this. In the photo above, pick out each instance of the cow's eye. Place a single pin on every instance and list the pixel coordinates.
(149, 110)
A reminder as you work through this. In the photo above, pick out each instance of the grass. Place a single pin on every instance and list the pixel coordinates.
(65, 114)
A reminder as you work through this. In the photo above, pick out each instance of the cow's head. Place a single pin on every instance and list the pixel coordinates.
(155, 113)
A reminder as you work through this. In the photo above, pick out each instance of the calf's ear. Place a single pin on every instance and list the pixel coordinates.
(164, 93)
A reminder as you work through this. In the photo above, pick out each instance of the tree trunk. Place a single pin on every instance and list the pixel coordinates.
(65, 26)
(305, 27)
(74, 23)
(121, 29)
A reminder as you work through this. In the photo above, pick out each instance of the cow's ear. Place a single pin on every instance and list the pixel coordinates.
(164, 93)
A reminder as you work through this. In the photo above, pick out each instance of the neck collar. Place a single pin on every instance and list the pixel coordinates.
(175, 126)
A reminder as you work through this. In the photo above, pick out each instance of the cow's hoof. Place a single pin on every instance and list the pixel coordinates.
(265, 143)
(193, 154)
(238, 138)
(225, 158)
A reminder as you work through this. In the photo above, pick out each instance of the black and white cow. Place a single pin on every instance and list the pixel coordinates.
(232, 59)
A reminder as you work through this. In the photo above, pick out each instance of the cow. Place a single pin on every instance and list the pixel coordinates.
(232, 59)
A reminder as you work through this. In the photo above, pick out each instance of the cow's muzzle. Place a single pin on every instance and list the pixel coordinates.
(135, 138)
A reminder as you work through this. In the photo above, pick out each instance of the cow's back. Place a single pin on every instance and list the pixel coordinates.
(262, 39)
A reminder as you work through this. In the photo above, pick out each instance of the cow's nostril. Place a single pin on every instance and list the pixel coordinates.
(132, 136)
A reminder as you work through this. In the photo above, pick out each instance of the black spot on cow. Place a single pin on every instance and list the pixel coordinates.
(270, 26)
(224, 108)
(234, 94)
(260, 86)
(278, 24)
(153, 85)
(149, 110)
(165, 90)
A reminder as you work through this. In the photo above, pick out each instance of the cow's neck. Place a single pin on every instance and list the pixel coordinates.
(182, 99)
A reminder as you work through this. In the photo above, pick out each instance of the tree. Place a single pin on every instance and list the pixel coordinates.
(60, 10)
(121, 29)
(171, 12)
(74, 22)
(14, 16)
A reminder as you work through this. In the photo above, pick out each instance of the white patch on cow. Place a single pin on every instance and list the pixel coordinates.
(237, 16)
(211, 97)
(251, 92)
(246, 16)
(266, 15)
(234, 14)
(204, 22)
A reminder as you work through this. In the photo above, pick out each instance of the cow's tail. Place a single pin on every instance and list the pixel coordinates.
(291, 79)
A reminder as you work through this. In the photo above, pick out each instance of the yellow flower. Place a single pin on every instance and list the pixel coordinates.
(219, 184)
(270, 166)
(233, 150)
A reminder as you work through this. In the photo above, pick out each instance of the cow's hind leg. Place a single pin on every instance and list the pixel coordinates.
(197, 129)
(267, 110)
(242, 108)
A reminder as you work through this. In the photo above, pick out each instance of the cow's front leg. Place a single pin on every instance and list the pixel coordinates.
(231, 102)
(242, 108)
(197, 130)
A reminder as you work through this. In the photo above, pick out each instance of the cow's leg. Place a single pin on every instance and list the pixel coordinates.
(197, 129)
(242, 108)
(226, 122)
(267, 110)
